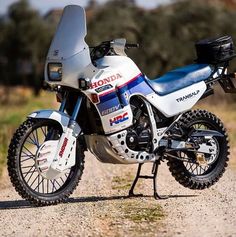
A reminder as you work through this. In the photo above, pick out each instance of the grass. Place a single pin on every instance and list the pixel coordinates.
(14, 111)
(139, 213)
(122, 183)
(136, 217)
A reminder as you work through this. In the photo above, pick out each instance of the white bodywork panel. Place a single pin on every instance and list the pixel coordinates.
(170, 104)
(62, 118)
(54, 157)
(179, 101)
(69, 48)
(115, 71)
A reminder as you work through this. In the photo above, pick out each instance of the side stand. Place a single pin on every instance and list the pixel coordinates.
(153, 177)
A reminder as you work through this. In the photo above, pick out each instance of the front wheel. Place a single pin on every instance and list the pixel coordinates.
(199, 175)
(23, 171)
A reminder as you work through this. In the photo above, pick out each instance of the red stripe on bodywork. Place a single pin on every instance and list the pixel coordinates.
(108, 92)
(130, 80)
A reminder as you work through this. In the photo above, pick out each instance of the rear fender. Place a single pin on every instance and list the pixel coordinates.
(206, 133)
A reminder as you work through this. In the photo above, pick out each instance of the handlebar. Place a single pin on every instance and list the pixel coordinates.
(129, 46)
(106, 48)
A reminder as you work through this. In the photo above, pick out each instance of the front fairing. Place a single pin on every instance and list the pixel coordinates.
(69, 48)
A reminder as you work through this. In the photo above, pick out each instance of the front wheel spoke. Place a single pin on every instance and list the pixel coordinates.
(31, 141)
(29, 171)
(35, 139)
(44, 131)
(34, 180)
(28, 150)
(30, 157)
(57, 183)
(39, 182)
(63, 181)
(53, 184)
(43, 184)
(26, 154)
(28, 166)
(30, 177)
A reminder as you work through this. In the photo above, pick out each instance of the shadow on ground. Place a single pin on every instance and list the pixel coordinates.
(21, 204)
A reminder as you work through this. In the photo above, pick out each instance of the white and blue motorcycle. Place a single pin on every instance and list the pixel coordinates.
(109, 107)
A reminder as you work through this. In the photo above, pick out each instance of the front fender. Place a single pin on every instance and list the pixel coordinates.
(60, 117)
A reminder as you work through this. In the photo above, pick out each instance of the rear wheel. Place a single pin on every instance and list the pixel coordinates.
(192, 173)
(23, 171)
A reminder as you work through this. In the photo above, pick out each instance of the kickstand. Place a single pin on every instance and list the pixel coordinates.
(153, 177)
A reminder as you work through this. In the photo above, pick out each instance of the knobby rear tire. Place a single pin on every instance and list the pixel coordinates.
(177, 167)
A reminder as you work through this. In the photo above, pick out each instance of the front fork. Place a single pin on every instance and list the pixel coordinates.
(62, 151)
(66, 152)
(72, 123)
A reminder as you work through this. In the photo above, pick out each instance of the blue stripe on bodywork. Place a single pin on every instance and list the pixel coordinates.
(122, 94)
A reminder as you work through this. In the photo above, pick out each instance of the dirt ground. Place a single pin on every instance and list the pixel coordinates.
(100, 207)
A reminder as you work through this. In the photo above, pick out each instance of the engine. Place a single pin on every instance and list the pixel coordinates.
(139, 136)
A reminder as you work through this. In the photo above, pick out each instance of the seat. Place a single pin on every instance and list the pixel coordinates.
(180, 78)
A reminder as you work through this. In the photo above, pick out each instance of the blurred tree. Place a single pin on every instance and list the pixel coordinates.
(26, 41)
(166, 34)
(92, 4)
(106, 25)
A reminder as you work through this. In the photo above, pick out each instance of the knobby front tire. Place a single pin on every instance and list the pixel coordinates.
(22, 170)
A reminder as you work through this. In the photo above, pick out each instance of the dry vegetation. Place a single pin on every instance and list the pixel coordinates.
(15, 105)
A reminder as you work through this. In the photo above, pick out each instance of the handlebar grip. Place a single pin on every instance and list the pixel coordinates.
(129, 46)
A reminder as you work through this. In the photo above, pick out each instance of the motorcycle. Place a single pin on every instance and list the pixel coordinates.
(110, 108)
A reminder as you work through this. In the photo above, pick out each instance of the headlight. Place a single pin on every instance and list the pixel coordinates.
(55, 71)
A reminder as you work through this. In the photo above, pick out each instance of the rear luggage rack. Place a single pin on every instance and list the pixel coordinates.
(227, 82)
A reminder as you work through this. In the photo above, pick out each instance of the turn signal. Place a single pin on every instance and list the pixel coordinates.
(95, 98)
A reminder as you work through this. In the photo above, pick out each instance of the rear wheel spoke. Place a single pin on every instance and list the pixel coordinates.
(194, 168)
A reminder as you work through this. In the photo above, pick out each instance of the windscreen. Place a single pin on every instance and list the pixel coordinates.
(69, 37)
